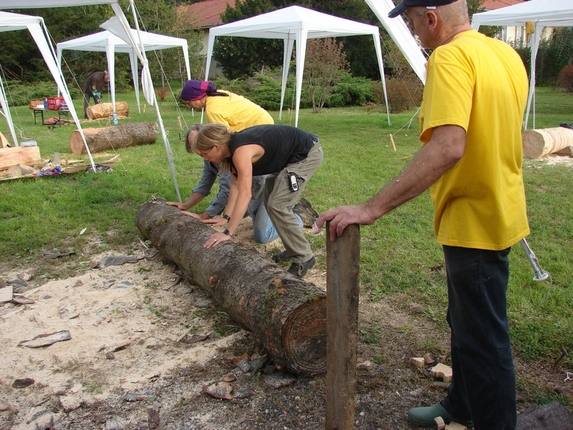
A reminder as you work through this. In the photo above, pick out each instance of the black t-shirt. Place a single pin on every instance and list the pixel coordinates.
(283, 144)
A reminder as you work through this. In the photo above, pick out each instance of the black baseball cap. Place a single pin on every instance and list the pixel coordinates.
(398, 10)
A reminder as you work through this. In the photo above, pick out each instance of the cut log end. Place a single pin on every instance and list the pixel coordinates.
(540, 142)
(304, 337)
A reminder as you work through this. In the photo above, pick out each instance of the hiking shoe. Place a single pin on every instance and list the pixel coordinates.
(424, 417)
(300, 269)
(281, 256)
(307, 205)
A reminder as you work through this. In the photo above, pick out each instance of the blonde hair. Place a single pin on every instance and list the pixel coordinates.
(211, 135)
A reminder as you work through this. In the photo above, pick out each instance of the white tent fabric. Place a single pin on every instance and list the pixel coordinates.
(542, 13)
(298, 24)
(401, 35)
(35, 25)
(105, 41)
(6, 112)
(121, 25)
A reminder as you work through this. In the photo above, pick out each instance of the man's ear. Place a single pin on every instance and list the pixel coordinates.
(431, 18)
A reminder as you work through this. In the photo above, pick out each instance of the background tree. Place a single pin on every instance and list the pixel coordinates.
(325, 65)
(553, 55)
(21, 59)
(240, 56)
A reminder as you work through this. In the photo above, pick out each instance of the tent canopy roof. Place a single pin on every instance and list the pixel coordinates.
(281, 23)
(12, 21)
(295, 23)
(543, 13)
(99, 42)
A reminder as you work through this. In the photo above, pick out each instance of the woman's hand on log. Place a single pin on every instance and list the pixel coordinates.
(178, 205)
(215, 221)
(191, 214)
(216, 239)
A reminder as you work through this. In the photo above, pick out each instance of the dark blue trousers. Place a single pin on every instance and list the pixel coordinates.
(483, 386)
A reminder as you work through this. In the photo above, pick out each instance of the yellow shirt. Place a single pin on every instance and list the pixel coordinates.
(480, 84)
(235, 111)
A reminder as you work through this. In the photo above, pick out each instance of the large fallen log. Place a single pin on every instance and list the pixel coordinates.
(113, 137)
(540, 142)
(287, 315)
(105, 110)
(552, 416)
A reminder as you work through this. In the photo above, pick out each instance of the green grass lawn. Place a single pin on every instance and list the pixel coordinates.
(400, 257)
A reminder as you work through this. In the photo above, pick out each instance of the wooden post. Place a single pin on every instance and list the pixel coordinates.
(342, 293)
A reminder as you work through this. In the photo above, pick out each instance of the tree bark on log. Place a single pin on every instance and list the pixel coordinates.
(113, 137)
(105, 110)
(540, 142)
(287, 315)
(552, 416)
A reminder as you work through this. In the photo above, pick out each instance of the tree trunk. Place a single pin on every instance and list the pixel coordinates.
(540, 142)
(113, 137)
(105, 110)
(287, 315)
(552, 416)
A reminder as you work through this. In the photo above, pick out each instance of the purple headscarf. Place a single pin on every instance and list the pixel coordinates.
(196, 90)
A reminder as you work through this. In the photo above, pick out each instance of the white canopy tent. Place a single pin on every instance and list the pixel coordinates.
(118, 26)
(300, 24)
(35, 25)
(541, 13)
(105, 41)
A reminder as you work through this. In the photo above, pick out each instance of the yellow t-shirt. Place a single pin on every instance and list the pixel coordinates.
(235, 111)
(480, 84)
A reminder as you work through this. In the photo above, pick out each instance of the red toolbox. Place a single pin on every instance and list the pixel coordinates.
(55, 102)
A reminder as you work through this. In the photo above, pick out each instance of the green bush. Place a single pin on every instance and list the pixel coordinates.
(264, 89)
(19, 94)
(404, 93)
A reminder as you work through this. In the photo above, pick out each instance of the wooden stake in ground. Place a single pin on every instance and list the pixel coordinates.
(540, 142)
(342, 280)
(113, 137)
(105, 110)
(286, 314)
(393, 144)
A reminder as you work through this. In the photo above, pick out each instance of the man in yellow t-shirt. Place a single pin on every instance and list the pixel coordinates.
(470, 123)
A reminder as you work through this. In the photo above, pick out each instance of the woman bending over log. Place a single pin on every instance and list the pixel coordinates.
(288, 155)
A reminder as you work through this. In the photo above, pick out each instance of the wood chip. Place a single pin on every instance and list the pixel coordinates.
(440, 423)
(219, 390)
(455, 426)
(6, 293)
(442, 371)
(46, 339)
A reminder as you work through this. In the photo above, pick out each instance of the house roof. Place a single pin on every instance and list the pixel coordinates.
(205, 14)
(498, 4)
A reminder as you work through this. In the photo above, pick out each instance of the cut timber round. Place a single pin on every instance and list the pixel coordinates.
(286, 314)
(113, 137)
(105, 110)
(540, 142)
